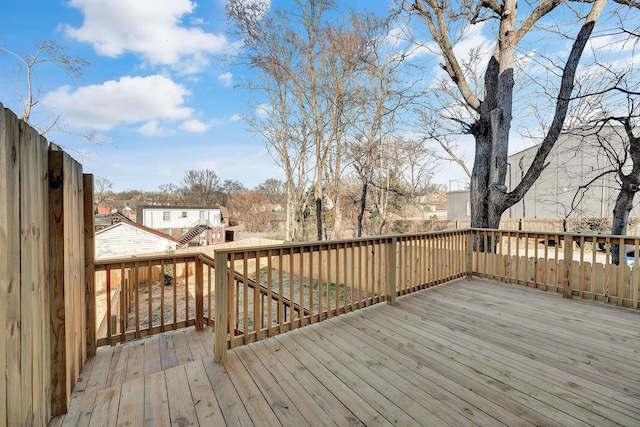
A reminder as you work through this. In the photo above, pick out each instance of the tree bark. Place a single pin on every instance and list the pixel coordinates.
(623, 206)
(363, 206)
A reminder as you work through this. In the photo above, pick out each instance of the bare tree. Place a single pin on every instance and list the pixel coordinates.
(492, 114)
(201, 187)
(102, 190)
(27, 87)
(607, 110)
(248, 207)
(270, 49)
(415, 164)
(306, 65)
(274, 190)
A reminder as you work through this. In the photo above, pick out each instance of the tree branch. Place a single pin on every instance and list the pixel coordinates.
(440, 35)
(562, 106)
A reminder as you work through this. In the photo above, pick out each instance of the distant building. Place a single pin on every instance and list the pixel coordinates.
(458, 205)
(104, 220)
(126, 238)
(189, 225)
(576, 161)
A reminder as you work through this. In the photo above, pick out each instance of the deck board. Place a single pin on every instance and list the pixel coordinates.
(461, 354)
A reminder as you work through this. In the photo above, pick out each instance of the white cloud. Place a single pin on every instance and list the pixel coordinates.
(151, 128)
(226, 79)
(194, 126)
(611, 44)
(151, 28)
(236, 117)
(128, 100)
(263, 110)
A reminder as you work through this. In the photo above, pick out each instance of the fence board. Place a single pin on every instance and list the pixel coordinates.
(59, 381)
(66, 277)
(10, 405)
(33, 314)
(89, 266)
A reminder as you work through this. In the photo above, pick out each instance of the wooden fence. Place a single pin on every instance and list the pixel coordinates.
(44, 292)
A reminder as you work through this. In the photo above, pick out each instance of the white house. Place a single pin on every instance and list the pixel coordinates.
(128, 238)
(202, 225)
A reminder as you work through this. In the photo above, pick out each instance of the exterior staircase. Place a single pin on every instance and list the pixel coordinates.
(189, 235)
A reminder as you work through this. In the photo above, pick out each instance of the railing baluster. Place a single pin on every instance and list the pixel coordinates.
(269, 296)
(175, 294)
(636, 274)
(199, 278)
(622, 266)
(149, 295)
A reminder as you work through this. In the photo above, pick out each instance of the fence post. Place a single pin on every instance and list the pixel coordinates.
(391, 271)
(89, 264)
(222, 315)
(568, 260)
(199, 294)
(469, 253)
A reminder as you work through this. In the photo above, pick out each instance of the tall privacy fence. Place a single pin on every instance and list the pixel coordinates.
(46, 220)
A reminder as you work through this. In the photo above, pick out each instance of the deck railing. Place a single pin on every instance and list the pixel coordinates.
(326, 279)
(136, 297)
(251, 293)
(570, 264)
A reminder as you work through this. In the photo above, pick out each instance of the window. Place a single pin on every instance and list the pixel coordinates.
(166, 231)
(166, 216)
(184, 214)
(184, 230)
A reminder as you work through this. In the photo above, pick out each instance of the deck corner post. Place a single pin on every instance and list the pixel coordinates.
(391, 272)
(568, 261)
(199, 294)
(221, 315)
(469, 253)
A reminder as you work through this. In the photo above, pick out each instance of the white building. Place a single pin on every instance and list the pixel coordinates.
(573, 185)
(201, 225)
(127, 238)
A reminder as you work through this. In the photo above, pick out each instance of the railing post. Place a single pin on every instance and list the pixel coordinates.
(222, 314)
(469, 253)
(391, 271)
(199, 294)
(568, 260)
(89, 264)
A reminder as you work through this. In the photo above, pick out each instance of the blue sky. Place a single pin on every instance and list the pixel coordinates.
(156, 89)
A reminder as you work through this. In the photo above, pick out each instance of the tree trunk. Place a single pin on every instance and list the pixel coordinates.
(319, 217)
(363, 205)
(624, 204)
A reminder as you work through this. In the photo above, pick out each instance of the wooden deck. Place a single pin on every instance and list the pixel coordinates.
(464, 353)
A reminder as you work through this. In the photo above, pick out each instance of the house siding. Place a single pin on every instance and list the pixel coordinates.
(125, 240)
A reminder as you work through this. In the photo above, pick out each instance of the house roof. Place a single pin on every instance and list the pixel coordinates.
(178, 207)
(140, 227)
